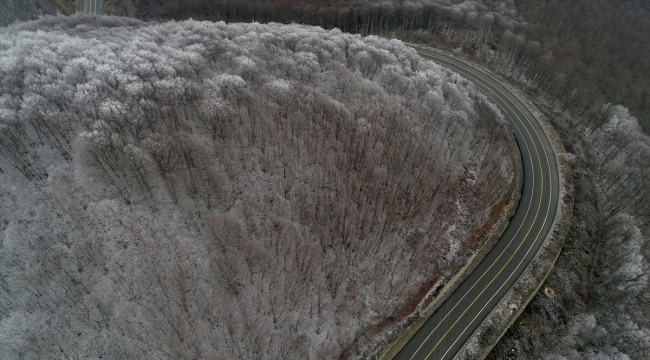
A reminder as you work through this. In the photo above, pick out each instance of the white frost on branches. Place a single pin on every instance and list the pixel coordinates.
(204, 190)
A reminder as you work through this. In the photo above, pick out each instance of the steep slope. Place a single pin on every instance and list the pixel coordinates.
(203, 190)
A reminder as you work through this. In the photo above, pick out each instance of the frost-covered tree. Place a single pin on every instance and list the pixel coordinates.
(203, 190)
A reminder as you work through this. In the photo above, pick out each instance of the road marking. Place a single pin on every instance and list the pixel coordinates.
(507, 262)
(482, 82)
(501, 254)
(536, 237)
(532, 225)
(504, 283)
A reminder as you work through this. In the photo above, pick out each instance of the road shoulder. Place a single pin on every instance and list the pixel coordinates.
(488, 334)
(434, 299)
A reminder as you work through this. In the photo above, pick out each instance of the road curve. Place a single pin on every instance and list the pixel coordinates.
(445, 332)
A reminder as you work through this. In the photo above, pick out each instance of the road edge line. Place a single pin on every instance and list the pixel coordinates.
(514, 302)
(495, 234)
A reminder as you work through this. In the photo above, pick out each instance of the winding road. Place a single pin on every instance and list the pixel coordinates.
(447, 330)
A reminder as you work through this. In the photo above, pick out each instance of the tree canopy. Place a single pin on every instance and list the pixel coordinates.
(203, 190)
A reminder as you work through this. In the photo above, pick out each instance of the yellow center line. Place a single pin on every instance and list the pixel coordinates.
(443, 320)
(532, 224)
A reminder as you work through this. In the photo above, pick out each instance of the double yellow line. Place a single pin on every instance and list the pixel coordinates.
(541, 169)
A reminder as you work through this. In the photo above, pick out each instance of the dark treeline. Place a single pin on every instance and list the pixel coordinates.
(349, 16)
(363, 17)
(21, 10)
(582, 53)
(601, 47)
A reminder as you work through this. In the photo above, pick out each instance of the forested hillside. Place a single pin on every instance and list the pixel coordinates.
(574, 57)
(581, 60)
(581, 52)
(202, 190)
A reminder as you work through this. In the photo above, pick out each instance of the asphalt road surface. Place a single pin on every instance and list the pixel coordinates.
(445, 332)
(91, 6)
